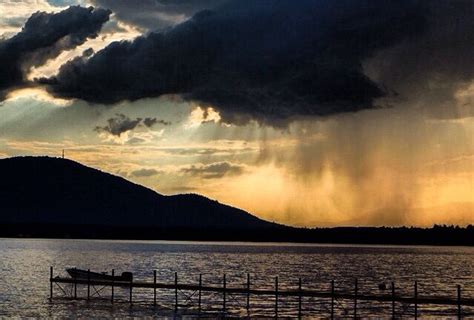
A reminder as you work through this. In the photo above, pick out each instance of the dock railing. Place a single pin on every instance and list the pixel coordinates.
(276, 293)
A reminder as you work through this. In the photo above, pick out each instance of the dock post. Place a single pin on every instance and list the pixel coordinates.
(355, 298)
(75, 289)
(276, 297)
(248, 292)
(224, 295)
(199, 293)
(393, 300)
(299, 298)
(459, 302)
(131, 287)
(154, 288)
(112, 289)
(51, 282)
(175, 292)
(416, 299)
(88, 284)
(332, 299)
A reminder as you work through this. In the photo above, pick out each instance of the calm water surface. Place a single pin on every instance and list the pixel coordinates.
(24, 274)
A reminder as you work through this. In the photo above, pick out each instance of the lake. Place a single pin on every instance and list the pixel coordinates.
(24, 275)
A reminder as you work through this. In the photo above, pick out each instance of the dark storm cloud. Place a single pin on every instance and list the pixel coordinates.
(264, 60)
(155, 14)
(214, 170)
(121, 123)
(45, 36)
(430, 68)
(150, 122)
(145, 173)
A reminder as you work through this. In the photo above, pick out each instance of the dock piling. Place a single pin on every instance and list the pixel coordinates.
(459, 302)
(88, 284)
(154, 288)
(299, 298)
(332, 299)
(224, 295)
(112, 289)
(51, 282)
(393, 300)
(175, 292)
(199, 293)
(248, 292)
(355, 298)
(276, 297)
(75, 290)
(416, 299)
(131, 287)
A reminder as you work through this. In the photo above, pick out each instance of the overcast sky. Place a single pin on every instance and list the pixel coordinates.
(315, 113)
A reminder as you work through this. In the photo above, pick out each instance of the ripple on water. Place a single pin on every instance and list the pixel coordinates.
(24, 272)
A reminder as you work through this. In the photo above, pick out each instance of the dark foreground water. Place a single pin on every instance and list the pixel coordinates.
(24, 274)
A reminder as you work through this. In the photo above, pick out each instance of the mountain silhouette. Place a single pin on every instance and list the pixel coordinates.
(48, 190)
(58, 198)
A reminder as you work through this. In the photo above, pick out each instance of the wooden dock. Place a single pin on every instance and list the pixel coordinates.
(416, 300)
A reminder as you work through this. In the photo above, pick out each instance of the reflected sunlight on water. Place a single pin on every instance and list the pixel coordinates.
(24, 273)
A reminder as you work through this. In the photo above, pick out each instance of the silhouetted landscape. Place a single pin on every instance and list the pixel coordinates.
(51, 190)
(60, 198)
(271, 159)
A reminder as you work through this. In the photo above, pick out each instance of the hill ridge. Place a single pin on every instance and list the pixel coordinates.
(55, 190)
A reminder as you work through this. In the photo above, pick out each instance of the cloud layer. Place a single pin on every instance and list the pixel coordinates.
(45, 36)
(122, 123)
(142, 173)
(269, 61)
(214, 170)
(155, 14)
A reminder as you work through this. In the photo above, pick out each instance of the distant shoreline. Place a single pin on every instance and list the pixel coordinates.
(58, 198)
(245, 243)
(437, 235)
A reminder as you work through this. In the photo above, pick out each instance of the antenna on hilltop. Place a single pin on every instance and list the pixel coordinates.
(63, 153)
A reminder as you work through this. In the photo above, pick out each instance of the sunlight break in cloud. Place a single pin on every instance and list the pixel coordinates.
(200, 115)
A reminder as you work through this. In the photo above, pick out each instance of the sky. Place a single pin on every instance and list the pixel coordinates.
(307, 113)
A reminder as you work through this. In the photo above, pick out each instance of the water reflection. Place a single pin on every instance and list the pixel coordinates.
(24, 272)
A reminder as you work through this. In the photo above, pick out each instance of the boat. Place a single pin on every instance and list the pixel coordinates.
(80, 274)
